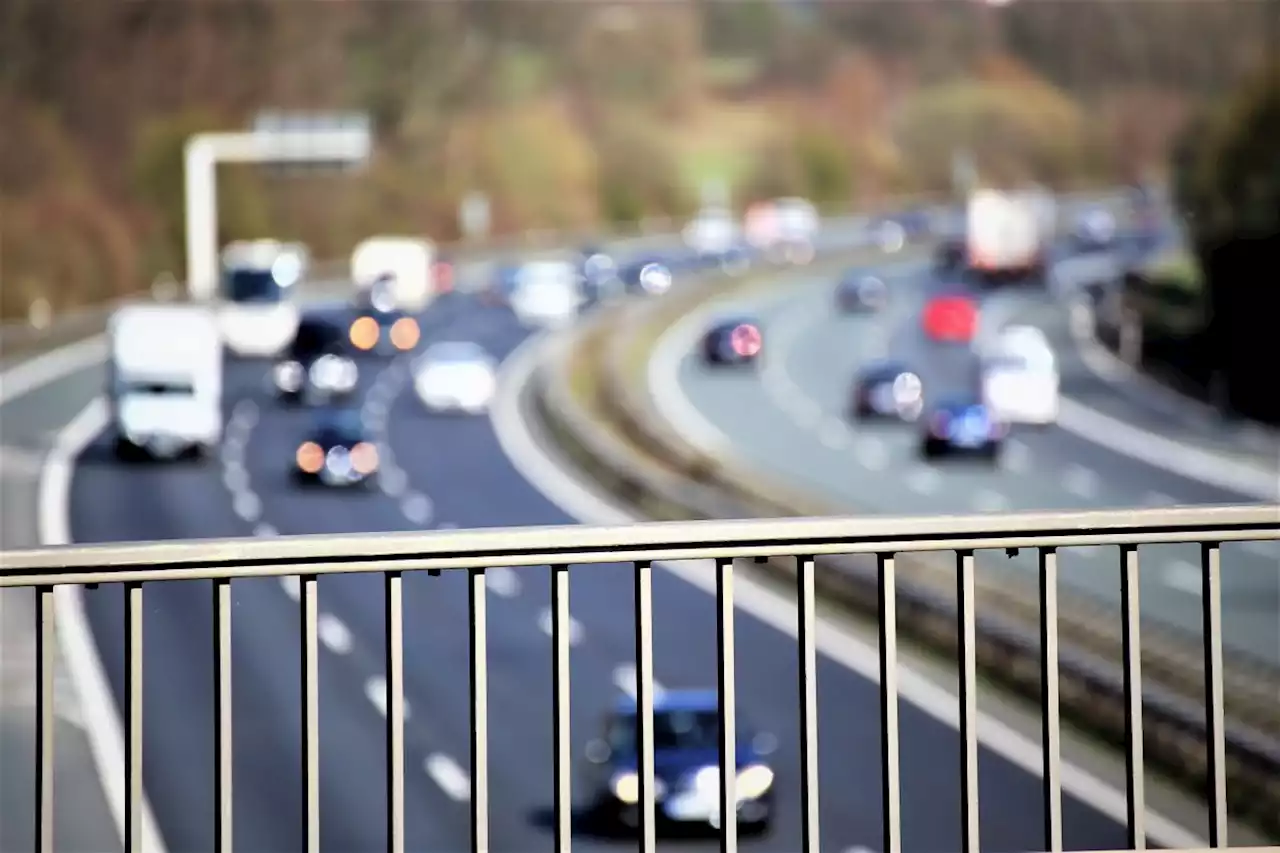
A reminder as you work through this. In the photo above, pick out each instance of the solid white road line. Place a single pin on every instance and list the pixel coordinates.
(35, 373)
(834, 642)
(98, 706)
(451, 778)
(417, 508)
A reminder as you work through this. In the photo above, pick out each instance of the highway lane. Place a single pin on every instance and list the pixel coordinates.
(798, 428)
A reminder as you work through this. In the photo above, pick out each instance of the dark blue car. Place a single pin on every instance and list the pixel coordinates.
(962, 425)
(732, 341)
(686, 760)
(379, 325)
(336, 451)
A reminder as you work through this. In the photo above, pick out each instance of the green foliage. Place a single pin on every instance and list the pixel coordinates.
(159, 180)
(1014, 130)
(825, 168)
(638, 172)
(1227, 165)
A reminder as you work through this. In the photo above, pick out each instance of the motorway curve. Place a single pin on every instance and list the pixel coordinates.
(455, 474)
(798, 429)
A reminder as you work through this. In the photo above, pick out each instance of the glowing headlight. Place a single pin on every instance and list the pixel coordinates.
(288, 376)
(655, 278)
(333, 373)
(754, 781)
(626, 787)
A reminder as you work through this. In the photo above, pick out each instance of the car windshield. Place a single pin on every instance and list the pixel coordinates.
(672, 730)
(313, 338)
(343, 423)
(250, 285)
(455, 353)
(154, 387)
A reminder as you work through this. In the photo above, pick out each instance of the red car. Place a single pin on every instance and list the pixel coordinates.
(952, 319)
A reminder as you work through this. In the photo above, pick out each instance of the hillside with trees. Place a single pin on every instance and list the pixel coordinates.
(571, 113)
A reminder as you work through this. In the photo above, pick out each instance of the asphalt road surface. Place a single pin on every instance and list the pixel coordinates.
(799, 396)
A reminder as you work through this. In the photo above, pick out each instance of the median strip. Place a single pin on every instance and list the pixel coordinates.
(592, 400)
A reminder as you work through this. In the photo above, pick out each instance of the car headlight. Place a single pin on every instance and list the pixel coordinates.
(288, 376)
(754, 781)
(626, 787)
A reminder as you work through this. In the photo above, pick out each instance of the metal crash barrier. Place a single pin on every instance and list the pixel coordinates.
(721, 543)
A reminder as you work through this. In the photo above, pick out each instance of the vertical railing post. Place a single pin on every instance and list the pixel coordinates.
(133, 655)
(1132, 648)
(1050, 722)
(727, 706)
(478, 606)
(223, 837)
(393, 624)
(890, 784)
(46, 649)
(968, 701)
(810, 824)
(309, 606)
(1215, 735)
(644, 701)
(560, 709)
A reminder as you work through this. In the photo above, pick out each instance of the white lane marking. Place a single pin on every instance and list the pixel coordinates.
(265, 530)
(1182, 576)
(244, 415)
(545, 626)
(502, 581)
(1158, 499)
(1080, 481)
(834, 434)
(859, 849)
(451, 778)
(1260, 548)
(624, 678)
(247, 506)
(986, 500)
(292, 586)
(375, 690)
(97, 709)
(870, 453)
(49, 367)
(235, 477)
(417, 508)
(333, 633)
(1016, 456)
(834, 642)
(392, 480)
(923, 480)
(805, 412)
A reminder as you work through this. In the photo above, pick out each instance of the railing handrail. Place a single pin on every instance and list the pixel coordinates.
(653, 541)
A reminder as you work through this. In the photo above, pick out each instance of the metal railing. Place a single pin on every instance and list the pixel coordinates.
(643, 545)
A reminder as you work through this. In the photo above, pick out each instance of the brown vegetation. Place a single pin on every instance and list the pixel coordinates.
(565, 114)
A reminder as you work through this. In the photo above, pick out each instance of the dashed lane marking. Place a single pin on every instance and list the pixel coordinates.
(624, 678)
(292, 586)
(545, 626)
(834, 435)
(333, 634)
(375, 690)
(392, 480)
(502, 581)
(923, 480)
(417, 508)
(1080, 481)
(451, 778)
(235, 477)
(247, 505)
(1182, 576)
(265, 530)
(985, 500)
(1016, 456)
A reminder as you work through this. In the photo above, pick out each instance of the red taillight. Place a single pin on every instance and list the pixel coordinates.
(745, 340)
(444, 277)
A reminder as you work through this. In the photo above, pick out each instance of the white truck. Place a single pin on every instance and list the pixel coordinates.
(164, 380)
(547, 293)
(1007, 236)
(408, 261)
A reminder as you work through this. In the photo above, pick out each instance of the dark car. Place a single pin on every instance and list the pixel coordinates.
(734, 340)
(951, 255)
(859, 293)
(380, 326)
(962, 426)
(652, 275)
(686, 761)
(336, 451)
(887, 389)
(315, 367)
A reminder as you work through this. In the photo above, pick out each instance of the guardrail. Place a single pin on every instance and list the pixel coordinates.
(674, 479)
(721, 542)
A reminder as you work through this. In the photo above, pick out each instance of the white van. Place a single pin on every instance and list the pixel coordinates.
(164, 380)
(547, 293)
(1020, 381)
(409, 261)
(258, 314)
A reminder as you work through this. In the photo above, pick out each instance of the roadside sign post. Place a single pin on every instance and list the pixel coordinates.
(274, 140)
(474, 216)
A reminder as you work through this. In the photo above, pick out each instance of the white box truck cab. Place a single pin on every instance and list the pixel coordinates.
(258, 314)
(164, 380)
(408, 261)
(1007, 237)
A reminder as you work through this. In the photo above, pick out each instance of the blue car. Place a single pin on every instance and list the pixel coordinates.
(686, 761)
(962, 426)
(336, 451)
